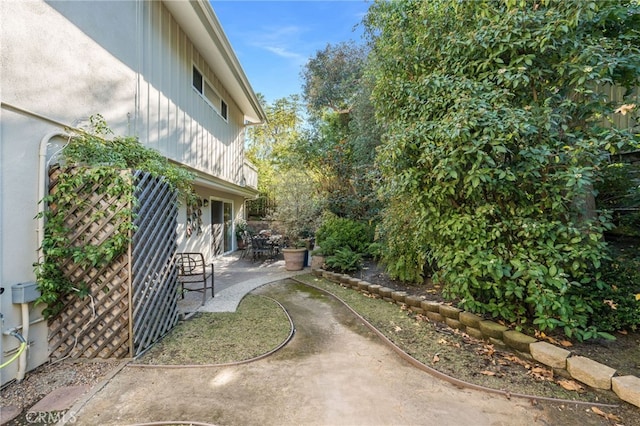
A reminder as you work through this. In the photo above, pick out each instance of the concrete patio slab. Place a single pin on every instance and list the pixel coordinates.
(60, 399)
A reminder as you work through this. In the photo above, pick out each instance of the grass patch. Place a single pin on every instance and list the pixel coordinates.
(258, 326)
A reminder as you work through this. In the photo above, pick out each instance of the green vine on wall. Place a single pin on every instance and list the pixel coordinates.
(95, 162)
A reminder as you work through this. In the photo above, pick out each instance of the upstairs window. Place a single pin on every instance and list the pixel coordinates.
(197, 80)
(203, 87)
(223, 109)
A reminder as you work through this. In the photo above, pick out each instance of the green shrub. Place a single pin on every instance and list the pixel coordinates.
(374, 251)
(493, 141)
(345, 260)
(616, 305)
(336, 233)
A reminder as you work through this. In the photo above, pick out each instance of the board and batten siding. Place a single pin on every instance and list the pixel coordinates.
(616, 94)
(172, 116)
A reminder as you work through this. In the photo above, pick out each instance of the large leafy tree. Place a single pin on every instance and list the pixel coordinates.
(332, 77)
(269, 145)
(495, 129)
(342, 137)
(272, 140)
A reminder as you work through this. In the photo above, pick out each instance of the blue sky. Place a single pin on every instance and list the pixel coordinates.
(274, 39)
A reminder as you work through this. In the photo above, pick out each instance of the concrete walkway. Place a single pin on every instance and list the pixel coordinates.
(334, 372)
(236, 276)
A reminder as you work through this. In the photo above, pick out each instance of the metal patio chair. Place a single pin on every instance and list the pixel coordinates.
(192, 269)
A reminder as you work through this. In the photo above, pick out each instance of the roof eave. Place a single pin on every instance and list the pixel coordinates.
(198, 20)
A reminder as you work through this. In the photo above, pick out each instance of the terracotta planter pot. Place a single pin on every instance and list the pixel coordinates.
(294, 258)
(317, 262)
(241, 244)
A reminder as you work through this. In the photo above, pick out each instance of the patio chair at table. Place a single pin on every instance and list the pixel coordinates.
(260, 247)
(248, 246)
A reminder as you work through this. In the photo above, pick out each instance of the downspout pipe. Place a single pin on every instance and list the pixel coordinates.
(22, 361)
(43, 179)
(42, 191)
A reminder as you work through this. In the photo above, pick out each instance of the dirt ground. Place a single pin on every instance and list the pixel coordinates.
(622, 354)
(198, 392)
(333, 372)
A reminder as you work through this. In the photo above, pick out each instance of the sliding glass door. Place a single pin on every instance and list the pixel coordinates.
(221, 227)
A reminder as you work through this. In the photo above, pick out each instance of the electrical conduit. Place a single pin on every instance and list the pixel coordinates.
(21, 349)
(22, 363)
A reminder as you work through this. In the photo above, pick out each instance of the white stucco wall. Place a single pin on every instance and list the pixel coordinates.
(203, 243)
(57, 71)
(62, 61)
(53, 67)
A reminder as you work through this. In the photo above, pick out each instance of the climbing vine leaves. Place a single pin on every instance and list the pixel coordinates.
(89, 210)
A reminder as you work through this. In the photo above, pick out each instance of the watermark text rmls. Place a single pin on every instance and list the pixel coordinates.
(50, 417)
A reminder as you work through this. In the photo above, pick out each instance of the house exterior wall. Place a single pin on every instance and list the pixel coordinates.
(129, 61)
(173, 117)
(204, 242)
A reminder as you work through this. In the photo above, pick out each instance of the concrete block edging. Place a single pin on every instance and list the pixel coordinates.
(581, 369)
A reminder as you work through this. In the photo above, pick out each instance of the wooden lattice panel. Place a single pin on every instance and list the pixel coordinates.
(154, 283)
(111, 322)
(96, 326)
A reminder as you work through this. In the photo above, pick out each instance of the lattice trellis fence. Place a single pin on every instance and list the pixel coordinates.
(132, 301)
(154, 280)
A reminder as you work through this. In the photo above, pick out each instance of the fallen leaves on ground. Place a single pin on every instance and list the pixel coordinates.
(570, 385)
(487, 350)
(541, 336)
(541, 373)
(516, 360)
(608, 416)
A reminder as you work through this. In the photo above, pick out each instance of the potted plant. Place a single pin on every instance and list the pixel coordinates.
(241, 229)
(297, 210)
(294, 257)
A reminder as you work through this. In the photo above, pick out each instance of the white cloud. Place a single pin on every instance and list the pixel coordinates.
(283, 52)
(281, 41)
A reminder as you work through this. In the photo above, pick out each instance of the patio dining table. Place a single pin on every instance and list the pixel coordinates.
(267, 246)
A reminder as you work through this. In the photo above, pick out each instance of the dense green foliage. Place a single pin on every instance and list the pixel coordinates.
(494, 138)
(269, 148)
(94, 164)
(332, 77)
(345, 260)
(299, 207)
(338, 148)
(616, 306)
(344, 242)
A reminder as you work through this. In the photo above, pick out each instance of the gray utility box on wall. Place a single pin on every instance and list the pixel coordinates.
(24, 292)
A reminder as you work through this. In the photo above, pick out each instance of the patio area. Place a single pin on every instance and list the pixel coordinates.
(235, 276)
